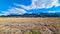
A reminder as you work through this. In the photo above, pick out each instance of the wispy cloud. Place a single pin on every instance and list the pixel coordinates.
(36, 4)
(17, 11)
(51, 11)
(4, 13)
(40, 4)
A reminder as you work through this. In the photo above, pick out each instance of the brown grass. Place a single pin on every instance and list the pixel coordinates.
(27, 25)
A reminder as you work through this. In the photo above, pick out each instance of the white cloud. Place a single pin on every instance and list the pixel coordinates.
(57, 3)
(16, 11)
(40, 4)
(36, 4)
(51, 11)
(4, 13)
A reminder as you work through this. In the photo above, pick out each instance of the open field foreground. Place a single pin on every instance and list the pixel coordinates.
(29, 25)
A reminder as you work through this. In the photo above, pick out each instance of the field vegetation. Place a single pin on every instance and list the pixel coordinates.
(28, 25)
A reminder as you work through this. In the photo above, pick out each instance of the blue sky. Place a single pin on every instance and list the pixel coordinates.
(25, 6)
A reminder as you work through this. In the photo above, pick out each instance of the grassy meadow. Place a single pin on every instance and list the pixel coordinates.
(28, 25)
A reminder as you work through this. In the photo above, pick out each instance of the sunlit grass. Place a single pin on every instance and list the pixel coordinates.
(35, 31)
(11, 23)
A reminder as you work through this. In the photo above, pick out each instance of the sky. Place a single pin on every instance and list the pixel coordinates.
(21, 7)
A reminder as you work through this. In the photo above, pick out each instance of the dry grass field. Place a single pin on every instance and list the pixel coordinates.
(29, 25)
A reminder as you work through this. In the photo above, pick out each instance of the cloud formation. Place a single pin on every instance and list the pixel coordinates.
(51, 11)
(38, 4)
(16, 11)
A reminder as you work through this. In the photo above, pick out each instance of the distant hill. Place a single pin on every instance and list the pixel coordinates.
(34, 15)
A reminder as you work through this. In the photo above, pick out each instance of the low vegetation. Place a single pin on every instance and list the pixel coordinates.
(29, 25)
